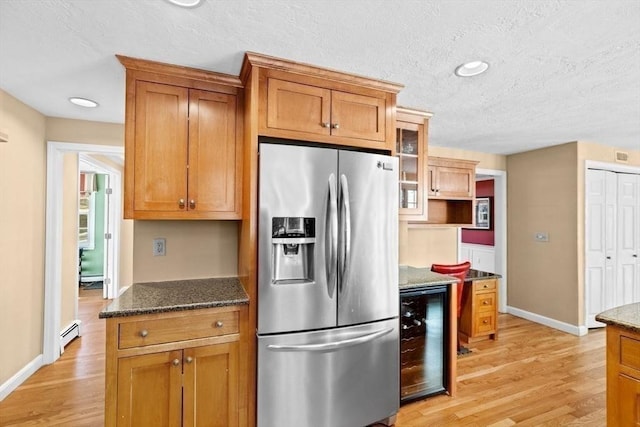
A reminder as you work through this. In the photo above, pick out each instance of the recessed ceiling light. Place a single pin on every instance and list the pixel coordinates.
(472, 68)
(83, 102)
(185, 3)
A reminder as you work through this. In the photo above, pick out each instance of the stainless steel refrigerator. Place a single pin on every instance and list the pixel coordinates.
(328, 299)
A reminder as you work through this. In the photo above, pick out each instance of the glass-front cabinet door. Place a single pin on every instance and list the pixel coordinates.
(411, 150)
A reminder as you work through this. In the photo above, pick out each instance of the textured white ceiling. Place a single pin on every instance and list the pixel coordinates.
(560, 70)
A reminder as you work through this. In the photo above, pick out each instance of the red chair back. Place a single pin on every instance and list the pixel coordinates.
(459, 271)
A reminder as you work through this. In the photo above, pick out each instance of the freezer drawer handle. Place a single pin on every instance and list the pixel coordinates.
(335, 345)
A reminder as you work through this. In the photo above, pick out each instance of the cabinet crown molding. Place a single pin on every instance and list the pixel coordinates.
(137, 64)
(252, 59)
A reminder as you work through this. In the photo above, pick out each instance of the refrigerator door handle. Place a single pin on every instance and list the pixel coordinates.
(331, 240)
(345, 227)
(331, 346)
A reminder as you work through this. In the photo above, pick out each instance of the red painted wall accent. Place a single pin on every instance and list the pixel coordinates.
(482, 237)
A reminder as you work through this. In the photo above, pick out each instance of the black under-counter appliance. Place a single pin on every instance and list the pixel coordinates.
(424, 342)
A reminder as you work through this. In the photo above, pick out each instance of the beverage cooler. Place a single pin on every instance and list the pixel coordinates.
(424, 343)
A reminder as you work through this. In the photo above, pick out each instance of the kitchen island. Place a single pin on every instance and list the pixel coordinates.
(176, 353)
(623, 364)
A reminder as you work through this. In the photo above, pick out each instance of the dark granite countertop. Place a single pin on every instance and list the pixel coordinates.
(419, 277)
(625, 316)
(176, 295)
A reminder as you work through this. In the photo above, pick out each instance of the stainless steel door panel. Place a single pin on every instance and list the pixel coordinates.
(297, 182)
(368, 287)
(341, 377)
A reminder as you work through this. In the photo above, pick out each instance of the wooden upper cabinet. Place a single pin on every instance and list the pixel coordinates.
(358, 116)
(297, 107)
(183, 143)
(308, 103)
(452, 179)
(411, 150)
(161, 146)
(213, 153)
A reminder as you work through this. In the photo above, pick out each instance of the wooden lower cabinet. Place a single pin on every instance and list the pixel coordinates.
(194, 382)
(623, 377)
(479, 317)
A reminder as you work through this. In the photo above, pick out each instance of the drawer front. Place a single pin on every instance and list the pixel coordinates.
(193, 326)
(485, 323)
(630, 353)
(485, 301)
(484, 285)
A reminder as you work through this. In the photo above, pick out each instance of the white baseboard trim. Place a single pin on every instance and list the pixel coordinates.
(21, 376)
(547, 321)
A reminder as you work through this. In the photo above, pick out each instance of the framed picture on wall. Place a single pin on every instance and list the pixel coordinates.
(483, 213)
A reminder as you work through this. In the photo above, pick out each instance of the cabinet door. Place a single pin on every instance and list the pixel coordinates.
(411, 152)
(161, 136)
(298, 107)
(211, 385)
(628, 401)
(214, 155)
(453, 182)
(150, 390)
(358, 116)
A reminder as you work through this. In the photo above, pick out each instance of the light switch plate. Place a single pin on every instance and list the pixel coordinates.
(541, 236)
(159, 246)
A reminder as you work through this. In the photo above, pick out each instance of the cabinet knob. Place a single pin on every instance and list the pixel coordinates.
(485, 286)
(189, 359)
(325, 125)
(144, 333)
(175, 362)
(485, 321)
(335, 126)
(485, 302)
(181, 203)
(635, 255)
(192, 204)
(219, 324)
(608, 257)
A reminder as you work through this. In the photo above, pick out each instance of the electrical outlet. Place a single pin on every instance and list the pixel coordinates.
(159, 246)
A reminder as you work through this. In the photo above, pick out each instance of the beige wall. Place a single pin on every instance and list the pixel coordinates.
(69, 268)
(195, 249)
(421, 247)
(542, 197)
(22, 221)
(546, 193)
(84, 132)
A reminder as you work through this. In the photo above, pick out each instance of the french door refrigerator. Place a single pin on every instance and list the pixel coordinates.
(328, 299)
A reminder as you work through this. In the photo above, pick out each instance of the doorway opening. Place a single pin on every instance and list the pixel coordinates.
(59, 245)
(499, 219)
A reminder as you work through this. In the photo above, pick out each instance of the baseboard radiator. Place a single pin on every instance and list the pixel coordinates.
(69, 333)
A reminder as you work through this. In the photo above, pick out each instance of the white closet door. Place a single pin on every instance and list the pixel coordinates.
(628, 221)
(600, 188)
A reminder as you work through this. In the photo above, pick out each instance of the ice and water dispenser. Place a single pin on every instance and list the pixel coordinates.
(293, 241)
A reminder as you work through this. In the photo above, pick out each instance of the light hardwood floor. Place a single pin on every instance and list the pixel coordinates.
(531, 376)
